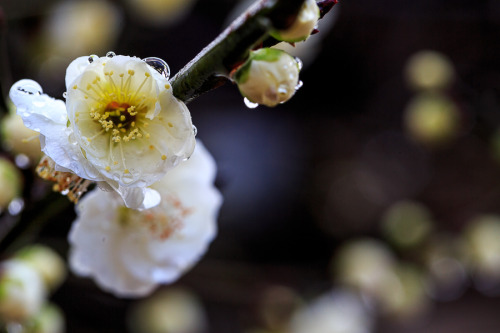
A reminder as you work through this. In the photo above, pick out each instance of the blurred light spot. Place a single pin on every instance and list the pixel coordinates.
(364, 264)
(172, 310)
(432, 119)
(340, 311)
(10, 183)
(22, 161)
(160, 11)
(447, 279)
(482, 236)
(391, 168)
(406, 299)
(276, 307)
(407, 224)
(429, 70)
(77, 28)
(16, 206)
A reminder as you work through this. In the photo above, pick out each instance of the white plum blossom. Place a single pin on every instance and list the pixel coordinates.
(120, 126)
(129, 252)
(269, 77)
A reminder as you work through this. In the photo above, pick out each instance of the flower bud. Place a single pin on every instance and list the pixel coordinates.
(18, 138)
(49, 320)
(21, 291)
(10, 182)
(268, 77)
(46, 262)
(173, 311)
(302, 26)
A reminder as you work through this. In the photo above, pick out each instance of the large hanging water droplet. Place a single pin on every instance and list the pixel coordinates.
(92, 58)
(195, 130)
(110, 54)
(299, 85)
(299, 63)
(250, 105)
(65, 94)
(159, 65)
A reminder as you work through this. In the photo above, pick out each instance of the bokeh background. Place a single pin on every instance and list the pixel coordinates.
(381, 176)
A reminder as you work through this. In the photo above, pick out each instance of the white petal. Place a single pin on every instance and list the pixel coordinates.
(74, 69)
(39, 111)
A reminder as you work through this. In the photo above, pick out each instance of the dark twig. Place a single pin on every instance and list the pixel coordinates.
(212, 66)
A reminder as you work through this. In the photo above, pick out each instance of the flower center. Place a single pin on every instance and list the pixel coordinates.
(159, 222)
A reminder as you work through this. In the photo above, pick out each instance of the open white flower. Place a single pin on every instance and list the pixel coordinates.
(129, 252)
(121, 124)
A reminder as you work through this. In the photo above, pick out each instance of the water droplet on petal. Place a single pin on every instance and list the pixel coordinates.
(29, 88)
(110, 54)
(299, 85)
(159, 65)
(250, 105)
(282, 90)
(195, 130)
(65, 94)
(92, 58)
(299, 63)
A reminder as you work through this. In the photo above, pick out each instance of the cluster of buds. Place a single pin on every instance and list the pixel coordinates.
(25, 282)
(270, 76)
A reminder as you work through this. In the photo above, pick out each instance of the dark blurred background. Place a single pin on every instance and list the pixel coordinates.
(302, 180)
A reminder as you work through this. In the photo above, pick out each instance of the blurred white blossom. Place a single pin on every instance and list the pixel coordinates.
(10, 183)
(130, 252)
(173, 310)
(18, 138)
(22, 292)
(120, 126)
(50, 319)
(46, 262)
(339, 311)
(79, 27)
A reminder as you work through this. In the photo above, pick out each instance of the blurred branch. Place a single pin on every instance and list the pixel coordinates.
(4, 74)
(31, 222)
